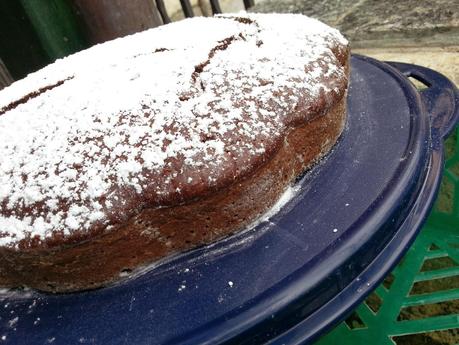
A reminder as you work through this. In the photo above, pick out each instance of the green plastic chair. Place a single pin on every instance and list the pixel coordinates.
(418, 303)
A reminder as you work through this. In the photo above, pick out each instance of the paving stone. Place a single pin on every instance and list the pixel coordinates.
(379, 23)
(444, 60)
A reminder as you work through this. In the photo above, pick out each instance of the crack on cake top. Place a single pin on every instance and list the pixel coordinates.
(157, 50)
(221, 45)
(243, 20)
(32, 95)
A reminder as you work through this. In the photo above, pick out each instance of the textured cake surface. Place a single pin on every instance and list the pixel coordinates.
(158, 142)
(156, 119)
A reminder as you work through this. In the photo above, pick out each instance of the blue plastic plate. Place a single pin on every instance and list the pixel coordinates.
(291, 277)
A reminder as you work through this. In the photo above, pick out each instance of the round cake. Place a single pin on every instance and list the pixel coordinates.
(158, 142)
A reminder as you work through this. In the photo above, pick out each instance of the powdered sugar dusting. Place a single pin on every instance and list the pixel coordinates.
(153, 114)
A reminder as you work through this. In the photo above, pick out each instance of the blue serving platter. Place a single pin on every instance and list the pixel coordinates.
(294, 276)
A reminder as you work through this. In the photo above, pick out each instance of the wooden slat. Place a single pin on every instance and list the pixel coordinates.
(20, 48)
(5, 77)
(187, 8)
(56, 26)
(215, 5)
(248, 4)
(108, 19)
(162, 11)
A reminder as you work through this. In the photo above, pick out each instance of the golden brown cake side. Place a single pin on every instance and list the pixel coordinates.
(197, 177)
(156, 233)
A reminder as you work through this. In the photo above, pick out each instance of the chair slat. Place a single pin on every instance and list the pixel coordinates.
(187, 8)
(5, 77)
(215, 5)
(162, 11)
(248, 4)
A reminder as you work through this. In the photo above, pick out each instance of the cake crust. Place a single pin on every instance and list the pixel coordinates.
(157, 232)
(167, 177)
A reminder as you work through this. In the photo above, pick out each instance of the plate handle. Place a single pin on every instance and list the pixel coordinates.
(441, 97)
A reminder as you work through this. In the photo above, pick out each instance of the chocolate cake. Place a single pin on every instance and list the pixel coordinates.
(161, 141)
